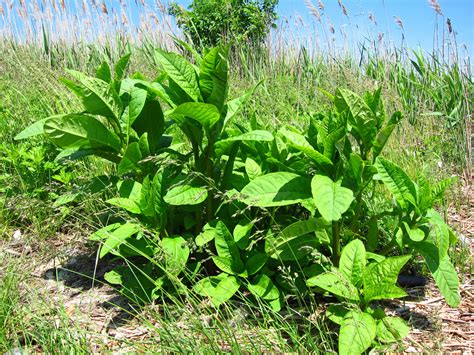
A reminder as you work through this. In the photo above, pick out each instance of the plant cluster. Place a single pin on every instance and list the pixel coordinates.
(211, 22)
(216, 206)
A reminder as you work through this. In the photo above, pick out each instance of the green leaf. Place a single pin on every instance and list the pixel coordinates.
(361, 116)
(396, 181)
(32, 130)
(180, 71)
(98, 96)
(252, 169)
(226, 246)
(392, 329)
(135, 106)
(415, 234)
(125, 203)
(224, 290)
(103, 72)
(130, 159)
(104, 232)
(242, 233)
(213, 77)
(357, 333)
(276, 246)
(259, 136)
(352, 261)
(68, 131)
(187, 194)
(225, 264)
(118, 237)
(276, 189)
(263, 287)
(380, 278)
(439, 233)
(331, 199)
(336, 283)
(176, 254)
(255, 262)
(121, 67)
(443, 272)
(206, 114)
(337, 313)
(299, 142)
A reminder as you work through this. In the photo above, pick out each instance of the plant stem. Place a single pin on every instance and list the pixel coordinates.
(336, 244)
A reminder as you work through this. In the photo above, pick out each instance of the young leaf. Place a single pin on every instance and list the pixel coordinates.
(206, 114)
(357, 333)
(103, 72)
(263, 287)
(213, 77)
(130, 159)
(255, 262)
(125, 203)
(118, 237)
(252, 169)
(235, 105)
(293, 231)
(224, 290)
(276, 189)
(397, 181)
(443, 272)
(335, 282)
(68, 131)
(352, 261)
(32, 130)
(331, 199)
(415, 234)
(187, 194)
(176, 254)
(180, 71)
(226, 247)
(391, 329)
(121, 67)
(337, 313)
(379, 279)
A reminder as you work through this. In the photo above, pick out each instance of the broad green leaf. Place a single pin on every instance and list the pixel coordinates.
(181, 71)
(118, 237)
(263, 287)
(296, 248)
(213, 73)
(130, 160)
(415, 234)
(79, 153)
(380, 278)
(225, 264)
(252, 169)
(352, 261)
(104, 232)
(373, 234)
(440, 232)
(255, 262)
(98, 96)
(32, 130)
(443, 272)
(396, 181)
(242, 233)
(226, 247)
(187, 194)
(135, 106)
(336, 283)
(121, 67)
(151, 121)
(384, 134)
(357, 333)
(125, 203)
(224, 290)
(206, 114)
(437, 191)
(337, 313)
(361, 116)
(293, 231)
(391, 329)
(176, 254)
(276, 189)
(331, 199)
(68, 131)
(103, 72)
(299, 142)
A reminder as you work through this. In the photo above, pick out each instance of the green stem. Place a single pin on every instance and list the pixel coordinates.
(336, 244)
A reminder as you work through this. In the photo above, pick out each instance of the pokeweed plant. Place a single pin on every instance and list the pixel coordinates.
(356, 284)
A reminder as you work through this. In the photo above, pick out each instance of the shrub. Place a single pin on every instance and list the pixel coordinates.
(210, 22)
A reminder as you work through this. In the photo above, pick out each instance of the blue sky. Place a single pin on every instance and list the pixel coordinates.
(417, 16)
